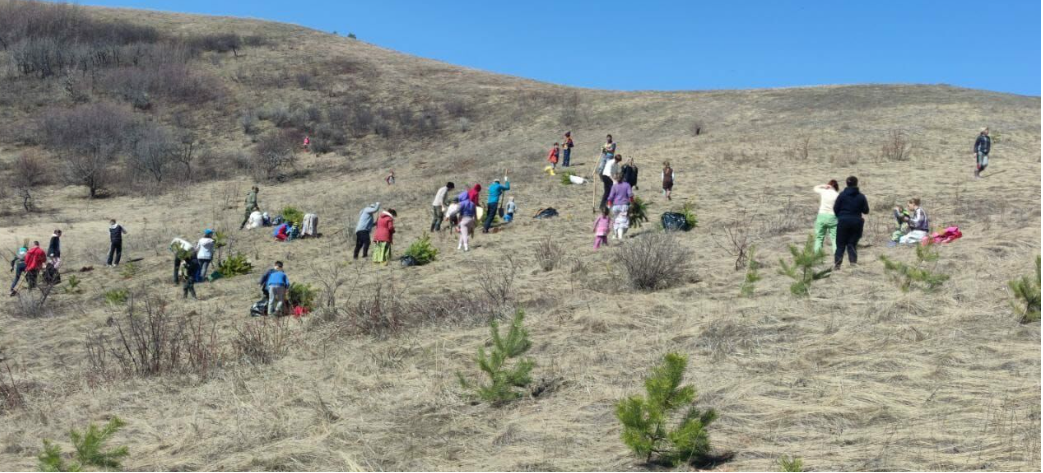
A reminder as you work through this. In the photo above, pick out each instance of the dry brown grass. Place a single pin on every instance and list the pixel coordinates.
(858, 377)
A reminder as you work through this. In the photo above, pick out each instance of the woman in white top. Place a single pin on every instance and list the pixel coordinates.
(826, 222)
(205, 253)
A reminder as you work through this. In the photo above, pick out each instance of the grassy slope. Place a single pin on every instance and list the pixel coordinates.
(857, 377)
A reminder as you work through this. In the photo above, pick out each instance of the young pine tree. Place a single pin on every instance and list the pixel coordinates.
(1026, 291)
(791, 464)
(89, 449)
(919, 275)
(746, 290)
(645, 419)
(503, 379)
(803, 271)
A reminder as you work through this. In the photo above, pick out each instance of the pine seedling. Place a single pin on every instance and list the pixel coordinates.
(51, 459)
(791, 464)
(690, 220)
(1027, 297)
(919, 275)
(89, 446)
(645, 419)
(504, 380)
(422, 251)
(234, 265)
(803, 271)
(637, 212)
(752, 276)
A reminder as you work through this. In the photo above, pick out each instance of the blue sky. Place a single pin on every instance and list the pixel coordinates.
(687, 45)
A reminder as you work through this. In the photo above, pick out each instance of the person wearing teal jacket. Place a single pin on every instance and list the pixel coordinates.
(495, 192)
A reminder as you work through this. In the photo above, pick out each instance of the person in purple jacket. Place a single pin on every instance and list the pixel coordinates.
(619, 198)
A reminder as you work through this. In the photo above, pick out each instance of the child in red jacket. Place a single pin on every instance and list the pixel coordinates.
(34, 261)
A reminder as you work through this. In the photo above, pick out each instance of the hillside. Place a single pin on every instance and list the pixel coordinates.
(858, 376)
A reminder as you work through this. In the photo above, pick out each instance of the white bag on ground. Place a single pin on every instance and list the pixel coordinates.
(255, 221)
(577, 180)
(310, 227)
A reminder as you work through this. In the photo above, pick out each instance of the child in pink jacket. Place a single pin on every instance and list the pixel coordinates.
(601, 228)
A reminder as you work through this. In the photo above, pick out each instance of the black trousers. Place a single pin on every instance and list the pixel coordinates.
(607, 181)
(177, 269)
(490, 212)
(362, 243)
(115, 252)
(849, 232)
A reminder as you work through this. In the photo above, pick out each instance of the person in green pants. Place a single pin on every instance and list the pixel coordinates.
(826, 222)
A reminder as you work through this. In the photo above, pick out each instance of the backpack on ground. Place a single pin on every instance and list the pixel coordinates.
(673, 221)
(259, 308)
(546, 213)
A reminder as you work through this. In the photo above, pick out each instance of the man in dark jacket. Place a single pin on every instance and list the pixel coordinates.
(982, 146)
(54, 249)
(849, 208)
(116, 233)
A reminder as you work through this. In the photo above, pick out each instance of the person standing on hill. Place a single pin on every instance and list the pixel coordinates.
(182, 249)
(668, 179)
(630, 173)
(54, 249)
(438, 206)
(18, 266)
(826, 222)
(982, 146)
(619, 199)
(609, 169)
(496, 190)
(384, 236)
(116, 232)
(278, 284)
(468, 212)
(566, 149)
(34, 261)
(251, 206)
(189, 271)
(204, 253)
(601, 229)
(552, 158)
(362, 229)
(849, 208)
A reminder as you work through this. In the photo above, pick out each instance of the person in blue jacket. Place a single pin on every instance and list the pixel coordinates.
(849, 208)
(278, 285)
(495, 192)
(363, 228)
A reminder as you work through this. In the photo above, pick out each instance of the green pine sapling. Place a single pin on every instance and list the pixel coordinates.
(503, 379)
(1026, 293)
(803, 271)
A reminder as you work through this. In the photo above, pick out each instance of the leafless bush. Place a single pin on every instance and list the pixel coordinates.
(147, 341)
(456, 108)
(218, 42)
(786, 220)
(263, 340)
(172, 81)
(25, 175)
(33, 304)
(896, 146)
(153, 152)
(549, 254)
(802, 148)
(696, 128)
(497, 280)
(380, 314)
(305, 80)
(737, 238)
(654, 261)
(86, 140)
(12, 395)
(570, 113)
(248, 120)
(275, 151)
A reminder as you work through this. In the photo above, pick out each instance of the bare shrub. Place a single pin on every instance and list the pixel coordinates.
(153, 152)
(172, 81)
(549, 254)
(381, 314)
(275, 151)
(12, 397)
(217, 42)
(456, 108)
(497, 281)
(25, 175)
(33, 304)
(655, 261)
(86, 140)
(801, 148)
(570, 113)
(248, 120)
(786, 220)
(737, 238)
(263, 340)
(147, 341)
(896, 147)
(696, 128)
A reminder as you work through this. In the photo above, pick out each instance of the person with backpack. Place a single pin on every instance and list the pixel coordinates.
(452, 214)
(34, 263)
(278, 285)
(826, 221)
(916, 217)
(189, 272)
(438, 206)
(18, 266)
(54, 249)
(629, 171)
(116, 232)
(496, 191)
(601, 229)
(204, 253)
(668, 179)
(982, 146)
(619, 200)
(552, 158)
(384, 236)
(181, 249)
(363, 227)
(849, 208)
(251, 206)
(566, 149)
(468, 213)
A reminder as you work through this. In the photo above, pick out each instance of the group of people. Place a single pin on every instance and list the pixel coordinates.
(192, 262)
(31, 261)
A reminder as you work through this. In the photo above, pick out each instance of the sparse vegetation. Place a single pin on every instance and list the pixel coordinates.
(73, 285)
(646, 419)
(803, 271)
(921, 274)
(737, 238)
(1027, 296)
(637, 212)
(791, 464)
(549, 254)
(752, 276)
(90, 449)
(655, 261)
(234, 265)
(128, 270)
(565, 178)
(117, 296)
(263, 340)
(302, 295)
(690, 220)
(421, 250)
(292, 215)
(504, 379)
(896, 146)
